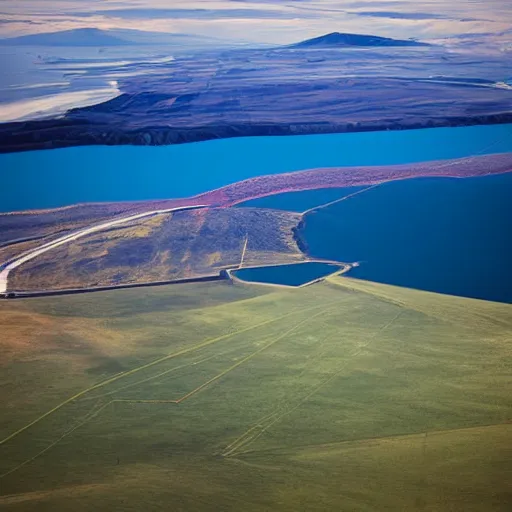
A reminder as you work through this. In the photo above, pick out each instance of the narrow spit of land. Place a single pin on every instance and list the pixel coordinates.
(335, 177)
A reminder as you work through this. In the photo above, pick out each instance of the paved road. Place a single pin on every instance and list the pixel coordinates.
(34, 253)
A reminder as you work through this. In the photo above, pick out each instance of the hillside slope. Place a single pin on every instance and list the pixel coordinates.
(164, 247)
(340, 396)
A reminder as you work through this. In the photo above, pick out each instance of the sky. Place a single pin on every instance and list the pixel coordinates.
(264, 21)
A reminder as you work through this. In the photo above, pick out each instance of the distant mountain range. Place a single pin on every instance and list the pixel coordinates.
(340, 40)
(93, 37)
(76, 37)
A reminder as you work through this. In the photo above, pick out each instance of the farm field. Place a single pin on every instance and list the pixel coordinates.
(343, 395)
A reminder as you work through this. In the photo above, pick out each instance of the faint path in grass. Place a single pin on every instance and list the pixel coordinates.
(158, 361)
(421, 435)
(148, 379)
(250, 356)
(263, 424)
(243, 251)
(91, 414)
(139, 368)
(100, 407)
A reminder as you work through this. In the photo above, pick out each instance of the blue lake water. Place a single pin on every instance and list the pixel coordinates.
(445, 235)
(301, 200)
(289, 275)
(42, 179)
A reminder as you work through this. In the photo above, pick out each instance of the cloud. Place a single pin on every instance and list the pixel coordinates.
(28, 22)
(262, 21)
(208, 14)
(408, 15)
(398, 15)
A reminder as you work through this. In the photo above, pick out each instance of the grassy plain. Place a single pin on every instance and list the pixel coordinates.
(344, 395)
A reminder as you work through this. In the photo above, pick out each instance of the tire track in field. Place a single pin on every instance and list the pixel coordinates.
(282, 404)
(250, 356)
(420, 435)
(149, 365)
(245, 439)
(91, 414)
(96, 410)
(161, 374)
(148, 379)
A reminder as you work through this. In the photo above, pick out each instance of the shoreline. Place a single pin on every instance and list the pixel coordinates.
(57, 133)
(239, 192)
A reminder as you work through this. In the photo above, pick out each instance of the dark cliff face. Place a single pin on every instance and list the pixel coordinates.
(337, 39)
(60, 133)
(300, 239)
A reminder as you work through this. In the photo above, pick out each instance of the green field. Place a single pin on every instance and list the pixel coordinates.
(342, 396)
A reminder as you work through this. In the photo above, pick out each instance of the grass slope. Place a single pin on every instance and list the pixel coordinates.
(164, 247)
(344, 395)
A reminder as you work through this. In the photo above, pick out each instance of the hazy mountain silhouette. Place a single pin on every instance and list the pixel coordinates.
(338, 39)
(75, 37)
(118, 37)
